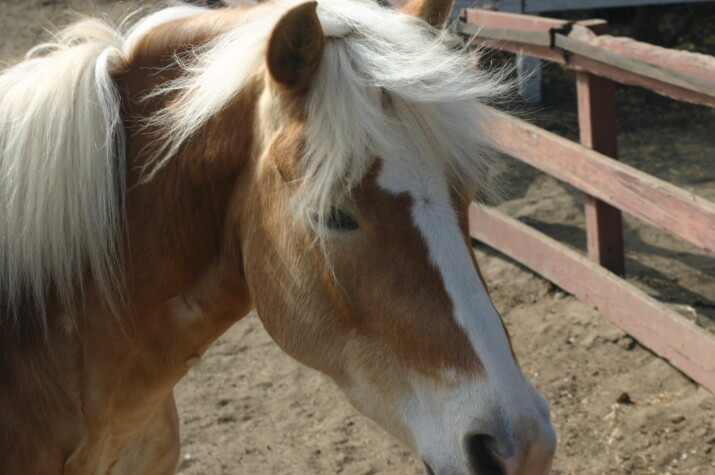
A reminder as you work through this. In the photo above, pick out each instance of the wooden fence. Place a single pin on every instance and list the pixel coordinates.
(610, 186)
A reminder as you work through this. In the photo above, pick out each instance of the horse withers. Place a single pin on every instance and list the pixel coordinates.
(314, 161)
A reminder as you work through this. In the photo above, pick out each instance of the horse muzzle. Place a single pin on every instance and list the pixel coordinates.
(483, 454)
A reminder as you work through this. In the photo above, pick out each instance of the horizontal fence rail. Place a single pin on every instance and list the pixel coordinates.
(678, 74)
(687, 346)
(655, 201)
(610, 186)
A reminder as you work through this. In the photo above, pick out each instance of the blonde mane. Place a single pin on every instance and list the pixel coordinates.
(62, 166)
(387, 85)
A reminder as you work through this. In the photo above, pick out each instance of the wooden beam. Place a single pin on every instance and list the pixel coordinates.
(687, 346)
(597, 126)
(543, 52)
(536, 6)
(637, 66)
(655, 201)
(604, 234)
(696, 64)
(579, 63)
(680, 75)
(511, 21)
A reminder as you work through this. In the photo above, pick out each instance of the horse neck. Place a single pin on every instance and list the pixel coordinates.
(176, 221)
(181, 268)
(183, 287)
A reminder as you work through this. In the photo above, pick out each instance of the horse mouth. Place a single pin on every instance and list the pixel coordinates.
(428, 469)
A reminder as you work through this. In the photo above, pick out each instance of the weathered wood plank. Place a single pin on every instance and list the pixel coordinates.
(678, 74)
(579, 63)
(687, 346)
(597, 126)
(655, 201)
(535, 6)
(510, 21)
(543, 52)
(604, 234)
(697, 64)
(646, 69)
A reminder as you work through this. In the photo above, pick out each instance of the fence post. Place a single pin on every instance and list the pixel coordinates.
(597, 124)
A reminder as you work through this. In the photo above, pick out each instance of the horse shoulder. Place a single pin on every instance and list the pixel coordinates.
(40, 395)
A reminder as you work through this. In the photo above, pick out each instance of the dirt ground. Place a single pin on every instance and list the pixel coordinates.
(617, 408)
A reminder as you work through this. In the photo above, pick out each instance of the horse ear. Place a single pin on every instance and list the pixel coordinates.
(296, 46)
(434, 12)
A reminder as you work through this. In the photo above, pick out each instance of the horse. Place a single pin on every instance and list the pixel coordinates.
(312, 161)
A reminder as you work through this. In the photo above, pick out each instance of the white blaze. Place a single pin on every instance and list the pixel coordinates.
(499, 404)
(434, 215)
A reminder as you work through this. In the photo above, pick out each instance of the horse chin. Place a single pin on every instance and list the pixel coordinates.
(480, 457)
(428, 469)
(462, 469)
(466, 468)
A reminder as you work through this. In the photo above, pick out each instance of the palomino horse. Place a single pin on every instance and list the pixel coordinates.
(312, 161)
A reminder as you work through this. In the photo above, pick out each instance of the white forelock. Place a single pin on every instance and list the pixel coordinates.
(384, 76)
(391, 86)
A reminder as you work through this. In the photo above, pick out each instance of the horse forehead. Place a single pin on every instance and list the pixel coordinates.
(434, 213)
(432, 199)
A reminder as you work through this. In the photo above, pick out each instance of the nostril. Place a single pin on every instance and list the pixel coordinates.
(480, 455)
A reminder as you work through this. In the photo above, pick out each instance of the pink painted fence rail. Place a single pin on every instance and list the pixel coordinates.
(610, 186)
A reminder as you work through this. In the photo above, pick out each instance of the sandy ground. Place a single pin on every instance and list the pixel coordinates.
(250, 409)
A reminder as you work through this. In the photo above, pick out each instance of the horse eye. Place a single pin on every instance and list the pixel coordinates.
(340, 220)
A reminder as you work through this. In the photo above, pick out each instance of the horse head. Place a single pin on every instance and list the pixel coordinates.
(315, 161)
(353, 233)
